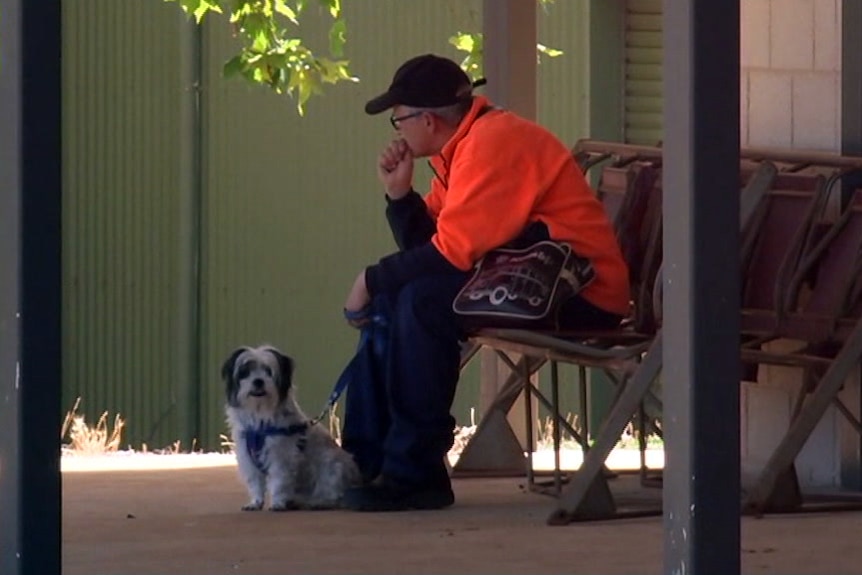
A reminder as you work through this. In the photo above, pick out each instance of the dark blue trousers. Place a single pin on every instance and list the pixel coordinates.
(401, 383)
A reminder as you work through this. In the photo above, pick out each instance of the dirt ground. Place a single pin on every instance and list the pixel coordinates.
(188, 522)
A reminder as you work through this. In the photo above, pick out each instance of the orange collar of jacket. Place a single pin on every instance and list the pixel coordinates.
(440, 162)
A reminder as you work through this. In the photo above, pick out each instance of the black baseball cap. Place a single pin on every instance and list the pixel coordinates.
(426, 81)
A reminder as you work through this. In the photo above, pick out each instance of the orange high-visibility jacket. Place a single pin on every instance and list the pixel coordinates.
(500, 173)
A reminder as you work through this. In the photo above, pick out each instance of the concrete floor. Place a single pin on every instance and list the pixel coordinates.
(188, 522)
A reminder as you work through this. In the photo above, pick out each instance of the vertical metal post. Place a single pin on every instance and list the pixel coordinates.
(701, 279)
(10, 199)
(189, 292)
(851, 145)
(510, 54)
(583, 382)
(528, 424)
(30, 289)
(510, 31)
(851, 78)
(555, 415)
(851, 89)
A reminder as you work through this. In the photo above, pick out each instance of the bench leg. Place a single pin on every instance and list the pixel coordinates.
(558, 423)
(495, 449)
(575, 501)
(801, 427)
(786, 494)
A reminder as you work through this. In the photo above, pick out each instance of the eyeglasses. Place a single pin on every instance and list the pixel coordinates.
(394, 121)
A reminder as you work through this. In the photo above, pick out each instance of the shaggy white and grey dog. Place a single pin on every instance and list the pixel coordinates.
(279, 450)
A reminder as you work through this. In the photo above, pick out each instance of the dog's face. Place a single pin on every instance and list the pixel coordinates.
(257, 377)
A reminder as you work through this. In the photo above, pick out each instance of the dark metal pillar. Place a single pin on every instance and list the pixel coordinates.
(10, 197)
(701, 285)
(851, 145)
(509, 30)
(30, 287)
(189, 288)
(851, 78)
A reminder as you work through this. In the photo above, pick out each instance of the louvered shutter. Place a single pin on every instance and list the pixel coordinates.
(643, 69)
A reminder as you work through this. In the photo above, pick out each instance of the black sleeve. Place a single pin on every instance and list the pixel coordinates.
(395, 270)
(409, 220)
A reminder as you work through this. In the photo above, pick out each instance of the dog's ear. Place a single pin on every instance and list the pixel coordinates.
(227, 375)
(285, 366)
(227, 367)
(285, 369)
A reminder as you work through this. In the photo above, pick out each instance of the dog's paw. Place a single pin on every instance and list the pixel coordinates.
(284, 506)
(253, 506)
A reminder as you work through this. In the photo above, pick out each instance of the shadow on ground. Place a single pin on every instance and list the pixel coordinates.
(188, 522)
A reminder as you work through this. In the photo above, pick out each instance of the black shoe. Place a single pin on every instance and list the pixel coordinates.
(385, 494)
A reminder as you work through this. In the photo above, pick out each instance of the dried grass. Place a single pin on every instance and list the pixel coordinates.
(334, 423)
(86, 439)
(545, 433)
(463, 434)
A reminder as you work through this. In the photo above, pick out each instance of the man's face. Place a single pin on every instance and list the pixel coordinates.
(415, 128)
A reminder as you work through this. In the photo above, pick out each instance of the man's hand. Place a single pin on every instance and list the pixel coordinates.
(358, 298)
(395, 169)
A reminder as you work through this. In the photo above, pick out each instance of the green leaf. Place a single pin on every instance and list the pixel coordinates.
(241, 5)
(233, 67)
(282, 8)
(550, 52)
(261, 41)
(463, 42)
(241, 10)
(251, 60)
(337, 38)
(204, 8)
(334, 7)
(303, 84)
(473, 44)
(198, 8)
(335, 71)
(273, 56)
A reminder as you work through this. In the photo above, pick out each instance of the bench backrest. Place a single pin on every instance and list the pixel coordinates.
(825, 287)
(773, 240)
(632, 199)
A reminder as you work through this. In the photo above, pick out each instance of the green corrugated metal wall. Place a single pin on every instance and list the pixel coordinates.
(643, 102)
(563, 87)
(164, 278)
(293, 209)
(122, 164)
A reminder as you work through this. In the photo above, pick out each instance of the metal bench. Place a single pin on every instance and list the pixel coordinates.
(822, 310)
(788, 251)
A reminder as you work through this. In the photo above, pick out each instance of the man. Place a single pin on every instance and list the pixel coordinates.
(497, 178)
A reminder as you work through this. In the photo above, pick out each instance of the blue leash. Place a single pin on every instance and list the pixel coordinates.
(373, 326)
(372, 332)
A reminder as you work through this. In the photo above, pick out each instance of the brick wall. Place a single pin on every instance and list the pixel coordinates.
(790, 97)
(791, 73)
